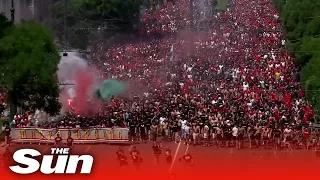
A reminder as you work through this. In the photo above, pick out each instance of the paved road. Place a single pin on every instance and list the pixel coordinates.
(207, 160)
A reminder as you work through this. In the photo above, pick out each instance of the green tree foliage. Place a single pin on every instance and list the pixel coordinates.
(279, 4)
(86, 18)
(310, 74)
(301, 21)
(4, 24)
(28, 63)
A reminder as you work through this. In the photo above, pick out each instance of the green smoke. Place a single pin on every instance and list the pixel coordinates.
(110, 88)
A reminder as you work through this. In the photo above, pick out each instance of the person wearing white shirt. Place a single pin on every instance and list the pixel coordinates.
(262, 84)
(162, 119)
(186, 134)
(287, 137)
(235, 132)
(282, 78)
(206, 135)
(287, 134)
(245, 86)
(213, 102)
(183, 123)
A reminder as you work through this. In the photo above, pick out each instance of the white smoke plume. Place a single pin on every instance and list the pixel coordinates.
(79, 77)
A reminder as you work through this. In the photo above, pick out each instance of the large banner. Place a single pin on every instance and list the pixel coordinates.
(79, 135)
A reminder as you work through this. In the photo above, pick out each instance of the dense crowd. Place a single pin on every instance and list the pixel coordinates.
(223, 70)
(237, 71)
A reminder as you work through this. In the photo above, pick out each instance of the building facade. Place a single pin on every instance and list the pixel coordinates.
(38, 10)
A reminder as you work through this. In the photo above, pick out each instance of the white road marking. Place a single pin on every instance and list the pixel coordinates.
(88, 148)
(46, 149)
(187, 149)
(175, 156)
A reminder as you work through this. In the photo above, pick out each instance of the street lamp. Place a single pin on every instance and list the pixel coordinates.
(191, 13)
(12, 11)
(65, 35)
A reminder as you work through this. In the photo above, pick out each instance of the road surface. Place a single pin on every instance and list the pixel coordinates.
(209, 161)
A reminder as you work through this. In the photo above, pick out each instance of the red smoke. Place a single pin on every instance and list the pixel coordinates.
(189, 37)
(85, 103)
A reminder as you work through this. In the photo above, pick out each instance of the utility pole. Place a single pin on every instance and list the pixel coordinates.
(214, 5)
(191, 13)
(13, 105)
(12, 11)
(65, 28)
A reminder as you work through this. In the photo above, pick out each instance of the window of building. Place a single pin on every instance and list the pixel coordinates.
(30, 3)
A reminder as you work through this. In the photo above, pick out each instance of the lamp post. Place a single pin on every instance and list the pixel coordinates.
(65, 37)
(12, 11)
(191, 13)
(214, 5)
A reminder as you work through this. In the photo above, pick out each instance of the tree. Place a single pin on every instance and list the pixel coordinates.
(279, 4)
(28, 63)
(302, 28)
(301, 21)
(311, 81)
(4, 24)
(86, 18)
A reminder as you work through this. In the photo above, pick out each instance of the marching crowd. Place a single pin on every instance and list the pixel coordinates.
(235, 74)
(220, 78)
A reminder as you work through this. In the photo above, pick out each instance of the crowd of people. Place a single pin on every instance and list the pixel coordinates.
(221, 70)
(237, 71)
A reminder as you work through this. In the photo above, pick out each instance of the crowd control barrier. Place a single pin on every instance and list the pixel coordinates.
(90, 135)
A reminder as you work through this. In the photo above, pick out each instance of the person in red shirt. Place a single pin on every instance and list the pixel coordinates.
(58, 140)
(7, 157)
(313, 141)
(306, 137)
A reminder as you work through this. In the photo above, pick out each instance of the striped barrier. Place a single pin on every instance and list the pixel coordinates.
(90, 135)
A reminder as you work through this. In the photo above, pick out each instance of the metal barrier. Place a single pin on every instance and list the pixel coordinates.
(90, 135)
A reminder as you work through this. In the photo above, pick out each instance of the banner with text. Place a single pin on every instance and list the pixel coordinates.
(79, 135)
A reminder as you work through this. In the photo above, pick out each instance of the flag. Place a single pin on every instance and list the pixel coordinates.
(171, 53)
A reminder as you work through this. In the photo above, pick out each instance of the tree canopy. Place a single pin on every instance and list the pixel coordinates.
(4, 24)
(86, 18)
(28, 63)
(301, 21)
